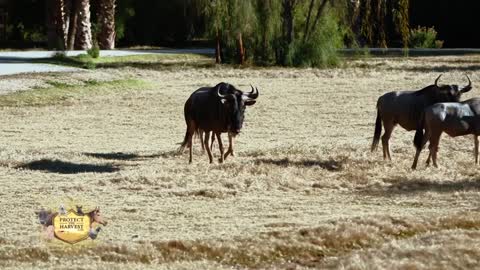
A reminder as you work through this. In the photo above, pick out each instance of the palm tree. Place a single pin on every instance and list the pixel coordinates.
(55, 24)
(106, 22)
(83, 38)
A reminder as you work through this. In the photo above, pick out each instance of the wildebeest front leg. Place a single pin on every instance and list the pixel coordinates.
(220, 146)
(207, 146)
(475, 151)
(385, 138)
(230, 146)
(200, 134)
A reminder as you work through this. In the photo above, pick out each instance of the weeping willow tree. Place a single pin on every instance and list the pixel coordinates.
(232, 23)
(273, 31)
(379, 23)
(268, 23)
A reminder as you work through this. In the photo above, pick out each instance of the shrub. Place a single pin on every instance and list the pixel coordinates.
(94, 52)
(321, 49)
(423, 37)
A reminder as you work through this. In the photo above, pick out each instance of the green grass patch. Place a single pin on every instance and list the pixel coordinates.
(64, 94)
(144, 61)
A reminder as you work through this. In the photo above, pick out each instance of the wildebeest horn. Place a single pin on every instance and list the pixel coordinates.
(220, 95)
(468, 87)
(436, 81)
(253, 94)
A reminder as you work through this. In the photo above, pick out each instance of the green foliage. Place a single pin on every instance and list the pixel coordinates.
(320, 50)
(260, 24)
(424, 37)
(123, 13)
(401, 19)
(94, 52)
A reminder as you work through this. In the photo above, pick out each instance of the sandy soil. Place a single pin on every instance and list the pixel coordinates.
(303, 191)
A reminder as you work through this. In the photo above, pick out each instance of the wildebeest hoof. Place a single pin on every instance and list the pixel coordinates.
(220, 160)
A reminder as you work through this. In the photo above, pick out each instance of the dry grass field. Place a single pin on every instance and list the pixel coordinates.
(303, 191)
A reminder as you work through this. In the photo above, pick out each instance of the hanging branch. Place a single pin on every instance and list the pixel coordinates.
(321, 7)
(307, 23)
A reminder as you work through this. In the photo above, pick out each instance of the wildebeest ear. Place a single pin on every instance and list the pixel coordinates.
(250, 102)
(224, 101)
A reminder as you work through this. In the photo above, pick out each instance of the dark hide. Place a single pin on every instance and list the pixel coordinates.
(216, 109)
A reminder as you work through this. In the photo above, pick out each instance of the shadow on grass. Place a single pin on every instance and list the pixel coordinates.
(158, 65)
(402, 186)
(441, 69)
(330, 165)
(132, 156)
(121, 156)
(62, 167)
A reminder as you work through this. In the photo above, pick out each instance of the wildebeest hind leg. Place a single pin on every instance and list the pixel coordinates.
(419, 150)
(190, 133)
(385, 138)
(220, 146)
(207, 146)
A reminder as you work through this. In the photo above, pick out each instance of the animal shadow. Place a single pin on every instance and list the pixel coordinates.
(330, 165)
(442, 68)
(402, 186)
(62, 167)
(121, 156)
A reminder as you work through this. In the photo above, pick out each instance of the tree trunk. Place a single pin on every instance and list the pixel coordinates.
(83, 39)
(307, 23)
(72, 14)
(319, 14)
(218, 48)
(287, 29)
(55, 30)
(241, 50)
(106, 22)
(288, 6)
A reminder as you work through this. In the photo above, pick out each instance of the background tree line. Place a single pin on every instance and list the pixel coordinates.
(282, 32)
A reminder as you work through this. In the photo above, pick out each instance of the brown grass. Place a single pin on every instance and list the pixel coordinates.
(303, 191)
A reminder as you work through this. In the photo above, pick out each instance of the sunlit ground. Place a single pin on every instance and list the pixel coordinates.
(303, 190)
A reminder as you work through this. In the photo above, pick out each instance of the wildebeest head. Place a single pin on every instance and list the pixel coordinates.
(446, 92)
(234, 103)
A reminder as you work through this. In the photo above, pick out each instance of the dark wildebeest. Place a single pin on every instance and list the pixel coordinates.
(405, 108)
(455, 119)
(216, 109)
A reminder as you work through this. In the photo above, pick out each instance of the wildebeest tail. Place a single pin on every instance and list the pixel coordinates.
(417, 140)
(378, 131)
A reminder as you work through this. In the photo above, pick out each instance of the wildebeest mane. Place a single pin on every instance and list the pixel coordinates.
(425, 91)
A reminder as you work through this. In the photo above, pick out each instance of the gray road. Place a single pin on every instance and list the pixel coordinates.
(20, 61)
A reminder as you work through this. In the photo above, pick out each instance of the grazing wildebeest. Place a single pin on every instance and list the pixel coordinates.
(405, 107)
(455, 119)
(216, 109)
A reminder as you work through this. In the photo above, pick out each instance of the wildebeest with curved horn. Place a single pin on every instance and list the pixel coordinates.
(216, 109)
(454, 118)
(405, 108)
